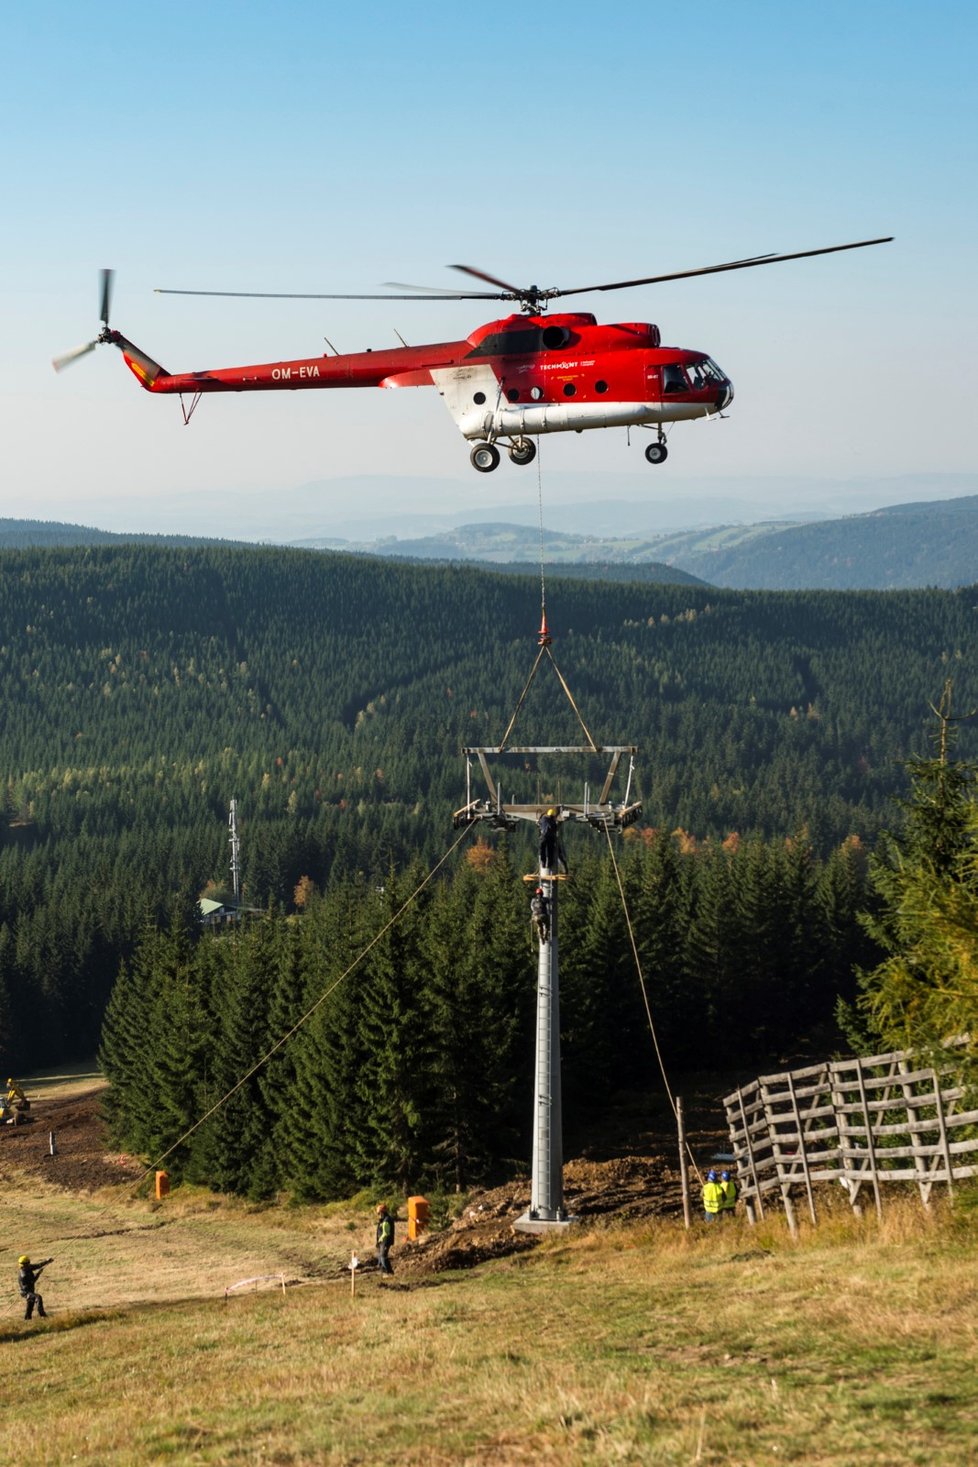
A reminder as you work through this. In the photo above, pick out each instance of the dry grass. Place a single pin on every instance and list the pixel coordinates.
(855, 1343)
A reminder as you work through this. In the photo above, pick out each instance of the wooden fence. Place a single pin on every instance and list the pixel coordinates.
(864, 1123)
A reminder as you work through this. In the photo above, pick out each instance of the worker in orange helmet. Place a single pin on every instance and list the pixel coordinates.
(540, 914)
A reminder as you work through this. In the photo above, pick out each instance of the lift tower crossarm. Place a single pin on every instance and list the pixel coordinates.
(554, 749)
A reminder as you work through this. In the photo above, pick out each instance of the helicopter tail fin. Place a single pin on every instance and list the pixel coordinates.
(143, 368)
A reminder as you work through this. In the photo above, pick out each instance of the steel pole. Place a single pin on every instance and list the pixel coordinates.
(547, 1189)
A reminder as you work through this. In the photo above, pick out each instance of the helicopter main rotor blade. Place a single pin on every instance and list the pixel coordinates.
(438, 292)
(302, 295)
(716, 269)
(59, 363)
(489, 279)
(529, 298)
(106, 296)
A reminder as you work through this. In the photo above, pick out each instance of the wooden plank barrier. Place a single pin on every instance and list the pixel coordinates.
(863, 1122)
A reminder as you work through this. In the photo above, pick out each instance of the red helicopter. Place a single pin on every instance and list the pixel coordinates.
(507, 382)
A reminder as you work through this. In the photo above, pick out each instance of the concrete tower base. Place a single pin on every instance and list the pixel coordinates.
(528, 1224)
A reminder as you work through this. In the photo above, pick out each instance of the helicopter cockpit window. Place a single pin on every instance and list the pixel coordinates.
(674, 379)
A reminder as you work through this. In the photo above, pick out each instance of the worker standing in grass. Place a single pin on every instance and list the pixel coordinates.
(712, 1197)
(27, 1281)
(728, 1195)
(385, 1238)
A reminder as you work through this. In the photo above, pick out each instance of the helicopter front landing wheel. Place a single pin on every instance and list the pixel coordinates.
(484, 457)
(524, 451)
(657, 453)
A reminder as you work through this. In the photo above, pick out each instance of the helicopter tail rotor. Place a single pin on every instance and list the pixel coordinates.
(105, 302)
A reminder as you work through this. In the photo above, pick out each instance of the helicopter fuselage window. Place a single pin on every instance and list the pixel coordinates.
(674, 379)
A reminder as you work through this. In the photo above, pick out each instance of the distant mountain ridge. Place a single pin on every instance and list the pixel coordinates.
(18, 534)
(903, 546)
(900, 547)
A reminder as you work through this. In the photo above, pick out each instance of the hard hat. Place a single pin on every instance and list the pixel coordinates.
(382, 1207)
(711, 1175)
(23, 1258)
(551, 812)
(539, 891)
(724, 1176)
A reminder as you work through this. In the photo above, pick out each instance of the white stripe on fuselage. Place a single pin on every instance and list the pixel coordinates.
(495, 417)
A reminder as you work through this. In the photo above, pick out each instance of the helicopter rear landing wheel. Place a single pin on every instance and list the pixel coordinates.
(484, 457)
(657, 453)
(523, 452)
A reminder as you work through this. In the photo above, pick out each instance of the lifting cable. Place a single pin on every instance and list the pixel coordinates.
(545, 641)
(308, 1014)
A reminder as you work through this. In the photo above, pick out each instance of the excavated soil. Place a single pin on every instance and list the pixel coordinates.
(82, 1160)
(625, 1188)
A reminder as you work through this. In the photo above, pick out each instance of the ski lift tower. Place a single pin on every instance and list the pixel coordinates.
(546, 1212)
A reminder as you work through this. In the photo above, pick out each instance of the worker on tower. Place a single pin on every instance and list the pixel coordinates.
(540, 914)
(385, 1238)
(551, 846)
(712, 1197)
(728, 1195)
(27, 1282)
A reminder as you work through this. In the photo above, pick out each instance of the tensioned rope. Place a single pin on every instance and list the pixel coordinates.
(309, 1012)
(645, 997)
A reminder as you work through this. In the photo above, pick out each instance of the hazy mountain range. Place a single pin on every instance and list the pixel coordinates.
(901, 546)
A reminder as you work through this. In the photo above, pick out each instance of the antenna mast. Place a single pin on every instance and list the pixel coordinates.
(235, 852)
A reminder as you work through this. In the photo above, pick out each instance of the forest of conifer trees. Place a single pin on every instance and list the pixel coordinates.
(415, 1068)
(145, 686)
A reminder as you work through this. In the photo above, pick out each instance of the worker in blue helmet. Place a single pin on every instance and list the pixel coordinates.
(712, 1197)
(728, 1189)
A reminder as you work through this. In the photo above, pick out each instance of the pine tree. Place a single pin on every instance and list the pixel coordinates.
(925, 991)
(478, 989)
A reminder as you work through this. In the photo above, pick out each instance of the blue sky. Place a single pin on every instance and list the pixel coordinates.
(296, 146)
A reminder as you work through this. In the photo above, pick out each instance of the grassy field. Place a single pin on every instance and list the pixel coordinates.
(856, 1344)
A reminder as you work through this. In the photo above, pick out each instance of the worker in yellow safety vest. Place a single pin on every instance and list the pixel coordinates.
(728, 1194)
(712, 1197)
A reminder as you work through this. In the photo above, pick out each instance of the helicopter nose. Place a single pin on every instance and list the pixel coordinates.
(725, 397)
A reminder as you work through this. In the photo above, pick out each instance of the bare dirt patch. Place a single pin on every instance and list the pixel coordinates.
(625, 1188)
(82, 1160)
